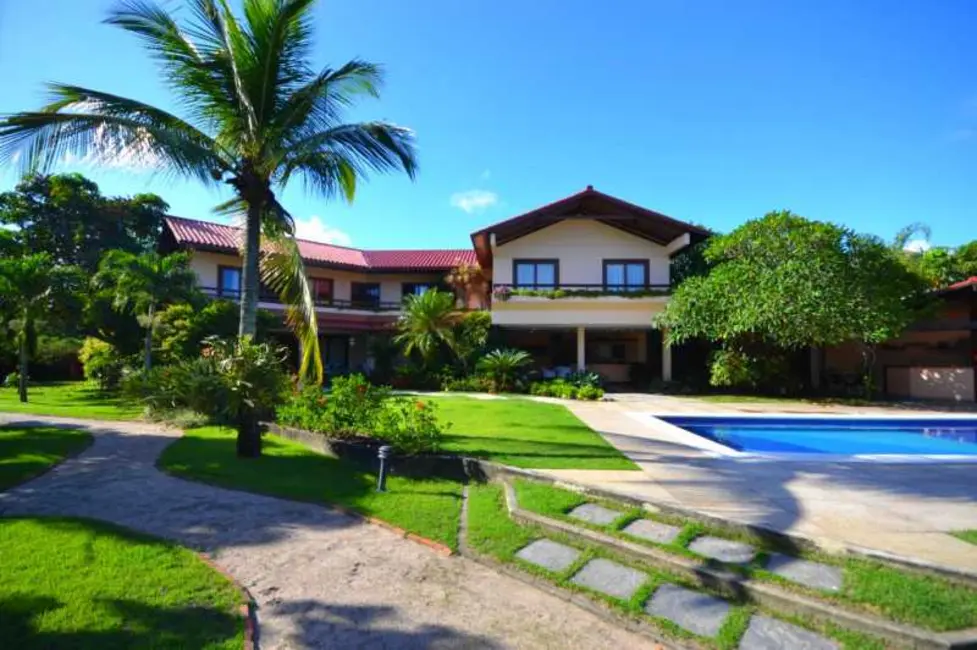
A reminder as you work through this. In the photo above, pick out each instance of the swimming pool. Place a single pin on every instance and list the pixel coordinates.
(782, 436)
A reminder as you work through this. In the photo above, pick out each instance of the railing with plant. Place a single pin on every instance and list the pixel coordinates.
(336, 303)
(505, 291)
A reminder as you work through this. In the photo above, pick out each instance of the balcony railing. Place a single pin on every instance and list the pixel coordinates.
(269, 296)
(556, 291)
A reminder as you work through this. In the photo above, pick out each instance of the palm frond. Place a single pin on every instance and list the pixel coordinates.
(318, 104)
(283, 271)
(102, 127)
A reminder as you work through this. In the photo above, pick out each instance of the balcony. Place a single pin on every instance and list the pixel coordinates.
(609, 292)
(326, 305)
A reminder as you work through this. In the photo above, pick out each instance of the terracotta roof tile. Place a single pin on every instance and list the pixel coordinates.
(193, 234)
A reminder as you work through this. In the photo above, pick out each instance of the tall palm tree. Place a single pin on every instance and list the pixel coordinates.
(32, 288)
(142, 283)
(256, 115)
(427, 321)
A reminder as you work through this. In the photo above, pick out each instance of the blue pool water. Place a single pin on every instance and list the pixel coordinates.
(910, 436)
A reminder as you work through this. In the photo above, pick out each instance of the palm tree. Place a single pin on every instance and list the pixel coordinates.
(142, 283)
(428, 321)
(33, 287)
(503, 367)
(257, 114)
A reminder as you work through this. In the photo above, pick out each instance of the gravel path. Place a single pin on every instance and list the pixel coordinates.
(321, 579)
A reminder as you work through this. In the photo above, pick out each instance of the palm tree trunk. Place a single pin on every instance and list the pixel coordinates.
(249, 280)
(22, 366)
(148, 358)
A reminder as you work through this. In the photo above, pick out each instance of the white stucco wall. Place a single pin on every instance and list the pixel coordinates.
(610, 312)
(581, 246)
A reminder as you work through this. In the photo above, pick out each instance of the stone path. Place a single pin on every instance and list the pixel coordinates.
(321, 579)
(697, 612)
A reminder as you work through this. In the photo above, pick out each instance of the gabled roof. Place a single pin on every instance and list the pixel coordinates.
(206, 235)
(588, 204)
(970, 283)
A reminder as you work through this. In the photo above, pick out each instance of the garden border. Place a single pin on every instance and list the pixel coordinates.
(247, 610)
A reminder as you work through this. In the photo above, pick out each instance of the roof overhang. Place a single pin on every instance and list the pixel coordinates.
(590, 205)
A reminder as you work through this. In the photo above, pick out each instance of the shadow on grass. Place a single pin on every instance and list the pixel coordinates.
(26, 452)
(324, 625)
(140, 626)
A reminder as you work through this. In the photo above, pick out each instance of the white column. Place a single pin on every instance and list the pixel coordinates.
(666, 359)
(581, 348)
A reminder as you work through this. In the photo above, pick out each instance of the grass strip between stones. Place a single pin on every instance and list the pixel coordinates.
(928, 602)
(491, 532)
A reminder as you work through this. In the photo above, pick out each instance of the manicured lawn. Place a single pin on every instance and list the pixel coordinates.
(917, 599)
(74, 399)
(430, 508)
(25, 452)
(85, 585)
(967, 535)
(525, 433)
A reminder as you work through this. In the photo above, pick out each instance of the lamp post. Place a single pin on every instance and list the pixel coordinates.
(383, 454)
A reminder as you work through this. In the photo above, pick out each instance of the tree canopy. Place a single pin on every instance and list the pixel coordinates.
(67, 216)
(793, 282)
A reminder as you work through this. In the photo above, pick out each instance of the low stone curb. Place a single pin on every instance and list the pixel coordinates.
(246, 610)
(583, 602)
(765, 594)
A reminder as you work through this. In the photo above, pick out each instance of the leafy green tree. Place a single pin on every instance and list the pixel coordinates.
(181, 328)
(427, 323)
(142, 284)
(471, 337)
(792, 282)
(34, 288)
(256, 115)
(67, 216)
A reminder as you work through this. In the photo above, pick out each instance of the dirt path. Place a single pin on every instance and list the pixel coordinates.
(320, 579)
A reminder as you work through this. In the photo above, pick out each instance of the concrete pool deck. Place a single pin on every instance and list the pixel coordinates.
(903, 509)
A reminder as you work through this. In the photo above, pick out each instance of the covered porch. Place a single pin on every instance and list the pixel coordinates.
(623, 356)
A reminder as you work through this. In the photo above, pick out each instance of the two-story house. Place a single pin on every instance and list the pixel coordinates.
(577, 283)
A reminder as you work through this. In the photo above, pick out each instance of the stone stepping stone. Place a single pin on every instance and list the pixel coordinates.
(549, 555)
(652, 531)
(694, 611)
(595, 514)
(804, 572)
(765, 633)
(610, 578)
(724, 550)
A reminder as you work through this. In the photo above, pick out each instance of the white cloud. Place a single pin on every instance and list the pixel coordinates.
(917, 245)
(474, 200)
(315, 229)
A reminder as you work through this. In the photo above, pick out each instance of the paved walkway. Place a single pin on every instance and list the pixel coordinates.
(321, 579)
(901, 509)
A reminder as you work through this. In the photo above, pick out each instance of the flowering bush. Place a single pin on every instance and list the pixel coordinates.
(501, 293)
(564, 389)
(354, 408)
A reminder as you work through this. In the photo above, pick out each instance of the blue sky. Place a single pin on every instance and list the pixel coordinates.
(711, 111)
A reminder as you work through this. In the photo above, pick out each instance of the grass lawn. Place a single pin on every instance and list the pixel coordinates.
(73, 399)
(967, 535)
(430, 508)
(925, 601)
(25, 452)
(72, 583)
(525, 433)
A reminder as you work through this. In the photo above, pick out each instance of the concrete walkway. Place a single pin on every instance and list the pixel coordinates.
(902, 509)
(321, 579)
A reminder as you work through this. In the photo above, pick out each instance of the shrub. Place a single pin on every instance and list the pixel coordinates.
(735, 367)
(469, 384)
(581, 378)
(564, 389)
(590, 393)
(412, 377)
(411, 426)
(101, 363)
(505, 368)
(353, 404)
(12, 380)
(193, 385)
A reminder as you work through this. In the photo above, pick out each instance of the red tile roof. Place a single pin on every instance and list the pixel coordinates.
(204, 234)
(963, 284)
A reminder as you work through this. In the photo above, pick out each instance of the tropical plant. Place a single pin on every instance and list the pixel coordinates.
(182, 327)
(427, 323)
(33, 288)
(470, 337)
(141, 284)
(257, 116)
(504, 368)
(101, 362)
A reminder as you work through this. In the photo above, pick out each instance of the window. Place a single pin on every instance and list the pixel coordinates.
(623, 275)
(322, 290)
(365, 294)
(536, 274)
(229, 281)
(416, 288)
